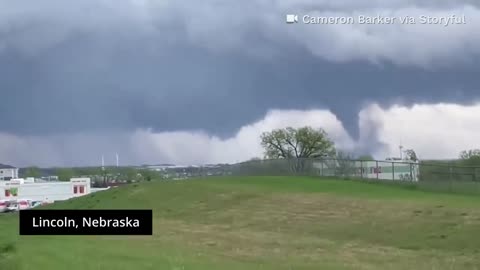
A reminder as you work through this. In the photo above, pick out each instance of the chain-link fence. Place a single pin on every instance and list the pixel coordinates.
(397, 170)
(401, 170)
(436, 176)
(381, 170)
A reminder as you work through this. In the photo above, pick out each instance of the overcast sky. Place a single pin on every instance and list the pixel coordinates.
(198, 81)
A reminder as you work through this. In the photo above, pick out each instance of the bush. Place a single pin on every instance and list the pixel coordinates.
(7, 248)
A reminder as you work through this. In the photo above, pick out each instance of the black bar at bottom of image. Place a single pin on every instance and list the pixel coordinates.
(85, 222)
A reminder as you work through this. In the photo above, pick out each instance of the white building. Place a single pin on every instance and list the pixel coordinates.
(8, 172)
(17, 189)
(390, 169)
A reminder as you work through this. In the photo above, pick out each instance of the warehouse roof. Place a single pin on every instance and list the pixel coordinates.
(4, 166)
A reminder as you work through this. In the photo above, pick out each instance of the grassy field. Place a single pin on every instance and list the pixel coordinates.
(264, 223)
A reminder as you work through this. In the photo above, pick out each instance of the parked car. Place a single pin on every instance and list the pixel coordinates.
(36, 204)
(3, 206)
(24, 204)
(12, 206)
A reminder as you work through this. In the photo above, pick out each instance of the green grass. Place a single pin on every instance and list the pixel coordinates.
(265, 223)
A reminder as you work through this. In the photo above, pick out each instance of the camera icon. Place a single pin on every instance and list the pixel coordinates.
(292, 18)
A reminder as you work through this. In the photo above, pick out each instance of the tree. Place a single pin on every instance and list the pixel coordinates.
(33, 172)
(130, 174)
(304, 142)
(65, 174)
(468, 154)
(345, 164)
(411, 155)
(470, 157)
(297, 145)
(149, 175)
(366, 158)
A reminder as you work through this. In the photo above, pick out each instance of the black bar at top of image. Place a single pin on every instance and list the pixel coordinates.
(85, 222)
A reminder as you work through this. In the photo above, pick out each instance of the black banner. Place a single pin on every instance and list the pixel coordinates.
(85, 222)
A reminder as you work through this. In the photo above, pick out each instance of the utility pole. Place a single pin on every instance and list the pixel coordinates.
(103, 171)
(117, 160)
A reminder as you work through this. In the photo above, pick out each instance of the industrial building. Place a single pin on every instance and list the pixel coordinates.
(390, 169)
(8, 172)
(28, 189)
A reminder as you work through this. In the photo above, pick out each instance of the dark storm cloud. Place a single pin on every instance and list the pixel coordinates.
(109, 65)
(194, 90)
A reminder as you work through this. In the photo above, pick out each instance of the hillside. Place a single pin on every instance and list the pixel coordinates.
(265, 223)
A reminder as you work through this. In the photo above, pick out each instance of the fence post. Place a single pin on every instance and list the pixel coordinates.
(376, 161)
(450, 171)
(411, 173)
(393, 170)
(361, 169)
(321, 168)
